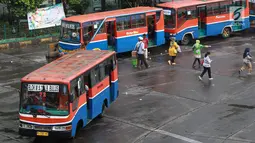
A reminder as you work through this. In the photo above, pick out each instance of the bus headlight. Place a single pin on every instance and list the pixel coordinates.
(62, 128)
(26, 126)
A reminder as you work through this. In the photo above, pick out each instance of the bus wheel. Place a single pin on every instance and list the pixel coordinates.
(186, 40)
(101, 115)
(226, 32)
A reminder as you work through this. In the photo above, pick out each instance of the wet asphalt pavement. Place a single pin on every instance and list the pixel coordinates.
(162, 104)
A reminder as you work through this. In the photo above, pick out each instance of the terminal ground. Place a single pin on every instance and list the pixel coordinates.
(162, 104)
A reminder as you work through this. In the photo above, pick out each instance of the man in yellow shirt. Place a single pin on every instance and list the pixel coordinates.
(172, 51)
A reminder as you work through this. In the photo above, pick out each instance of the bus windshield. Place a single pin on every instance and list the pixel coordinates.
(70, 32)
(170, 18)
(44, 99)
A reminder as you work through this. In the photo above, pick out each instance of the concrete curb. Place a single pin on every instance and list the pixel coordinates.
(23, 44)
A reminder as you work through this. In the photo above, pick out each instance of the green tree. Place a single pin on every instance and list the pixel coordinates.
(79, 6)
(135, 3)
(20, 8)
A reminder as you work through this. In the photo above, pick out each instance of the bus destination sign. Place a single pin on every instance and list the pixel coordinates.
(39, 87)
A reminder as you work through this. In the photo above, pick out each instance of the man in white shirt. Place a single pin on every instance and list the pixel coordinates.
(140, 53)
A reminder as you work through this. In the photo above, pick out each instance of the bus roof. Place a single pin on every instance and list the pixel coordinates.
(66, 68)
(186, 3)
(114, 13)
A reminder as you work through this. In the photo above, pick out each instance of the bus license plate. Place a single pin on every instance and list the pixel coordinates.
(42, 134)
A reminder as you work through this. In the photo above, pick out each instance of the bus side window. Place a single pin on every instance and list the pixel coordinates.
(123, 23)
(191, 12)
(96, 26)
(213, 9)
(87, 80)
(87, 33)
(224, 7)
(77, 89)
(138, 20)
(94, 76)
(102, 71)
(182, 17)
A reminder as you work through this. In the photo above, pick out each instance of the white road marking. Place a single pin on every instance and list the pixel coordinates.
(177, 136)
(155, 130)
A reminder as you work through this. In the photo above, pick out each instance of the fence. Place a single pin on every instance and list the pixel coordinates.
(20, 31)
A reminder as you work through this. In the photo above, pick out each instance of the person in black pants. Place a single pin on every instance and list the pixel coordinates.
(207, 67)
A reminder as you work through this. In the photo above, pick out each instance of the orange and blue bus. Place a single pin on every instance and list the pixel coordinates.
(65, 95)
(116, 30)
(252, 11)
(194, 19)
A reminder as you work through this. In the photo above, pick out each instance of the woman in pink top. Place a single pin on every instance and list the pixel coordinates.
(146, 43)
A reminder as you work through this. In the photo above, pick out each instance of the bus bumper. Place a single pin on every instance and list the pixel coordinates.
(55, 134)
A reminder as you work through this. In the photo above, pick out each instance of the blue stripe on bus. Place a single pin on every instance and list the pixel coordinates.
(114, 90)
(103, 45)
(95, 104)
(67, 46)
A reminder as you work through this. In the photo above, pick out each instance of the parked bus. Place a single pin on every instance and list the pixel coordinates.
(66, 94)
(252, 12)
(194, 19)
(116, 30)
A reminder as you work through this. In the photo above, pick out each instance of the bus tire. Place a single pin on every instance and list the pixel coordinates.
(186, 39)
(101, 115)
(226, 32)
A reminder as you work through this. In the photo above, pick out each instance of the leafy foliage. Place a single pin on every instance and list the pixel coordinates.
(135, 3)
(19, 8)
(79, 6)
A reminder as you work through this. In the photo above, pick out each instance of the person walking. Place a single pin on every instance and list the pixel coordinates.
(207, 67)
(197, 52)
(172, 51)
(146, 44)
(140, 53)
(247, 59)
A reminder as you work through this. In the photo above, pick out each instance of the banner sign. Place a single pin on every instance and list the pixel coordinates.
(39, 88)
(46, 17)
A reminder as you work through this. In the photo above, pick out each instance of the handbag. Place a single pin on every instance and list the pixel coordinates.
(202, 61)
(134, 52)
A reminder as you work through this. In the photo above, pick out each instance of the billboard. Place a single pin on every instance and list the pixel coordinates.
(46, 17)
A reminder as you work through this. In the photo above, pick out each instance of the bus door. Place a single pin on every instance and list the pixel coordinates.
(151, 29)
(87, 83)
(201, 11)
(111, 34)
